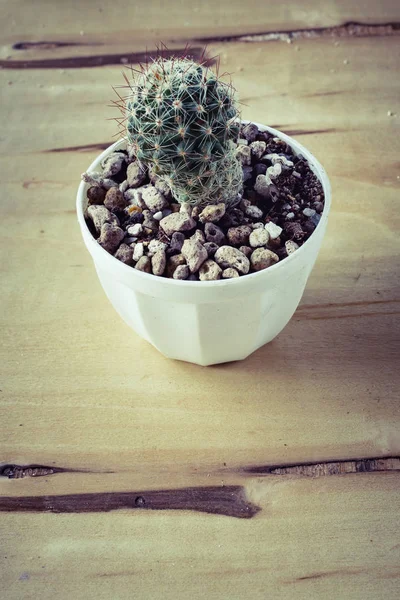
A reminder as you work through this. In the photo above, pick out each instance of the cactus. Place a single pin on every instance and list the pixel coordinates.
(183, 123)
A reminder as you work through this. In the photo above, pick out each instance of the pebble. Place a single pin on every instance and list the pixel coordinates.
(149, 221)
(210, 271)
(159, 262)
(319, 207)
(316, 219)
(226, 257)
(176, 243)
(123, 186)
(261, 185)
(159, 215)
(309, 212)
(177, 222)
(259, 169)
(279, 159)
(96, 195)
(239, 235)
(211, 248)
(246, 250)
(258, 238)
(186, 208)
(135, 230)
(112, 164)
(248, 172)
(134, 217)
(243, 153)
(258, 225)
(100, 215)
(144, 264)
(214, 234)
(155, 246)
(115, 200)
(194, 253)
(130, 240)
(291, 247)
(254, 212)
(294, 230)
(173, 262)
(308, 226)
(96, 178)
(138, 251)
(199, 236)
(273, 230)
(264, 136)
(181, 272)
(275, 170)
(163, 187)
(153, 199)
(290, 216)
(110, 237)
(229, 273)
(196, 212)
(232, 218)
(258, 149)
(212, 213)
(135, 197)
(242, 142)
(249, 132)
(262, 258)
(124, 254)
(136, 174)
(276, 243)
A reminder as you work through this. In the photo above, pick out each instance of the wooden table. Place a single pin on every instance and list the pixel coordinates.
(273, 478)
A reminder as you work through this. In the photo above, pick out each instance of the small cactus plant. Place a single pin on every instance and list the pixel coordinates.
(183, 123)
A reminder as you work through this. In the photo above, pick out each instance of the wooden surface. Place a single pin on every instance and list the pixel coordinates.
(127, 475)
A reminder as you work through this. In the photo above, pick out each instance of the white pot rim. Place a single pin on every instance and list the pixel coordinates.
(116, 265)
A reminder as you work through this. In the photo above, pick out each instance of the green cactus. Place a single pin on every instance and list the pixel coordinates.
(183, 123)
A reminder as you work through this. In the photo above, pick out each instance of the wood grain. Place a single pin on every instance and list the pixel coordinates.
(305, 433)
(226, 500)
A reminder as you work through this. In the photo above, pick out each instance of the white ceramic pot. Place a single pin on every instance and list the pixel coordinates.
(208, 322)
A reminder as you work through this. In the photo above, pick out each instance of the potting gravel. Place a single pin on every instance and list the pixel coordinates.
(132, 214)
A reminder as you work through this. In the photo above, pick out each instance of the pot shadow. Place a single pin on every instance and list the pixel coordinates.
(330, 343)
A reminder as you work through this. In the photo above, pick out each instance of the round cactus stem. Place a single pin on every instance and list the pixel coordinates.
(183, 123)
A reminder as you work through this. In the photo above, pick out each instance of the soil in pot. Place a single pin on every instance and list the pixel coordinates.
(132, 214)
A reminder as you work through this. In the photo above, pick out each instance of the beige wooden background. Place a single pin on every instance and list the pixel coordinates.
(103, 413)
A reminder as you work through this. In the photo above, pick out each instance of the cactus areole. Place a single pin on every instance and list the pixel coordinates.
(183, 123)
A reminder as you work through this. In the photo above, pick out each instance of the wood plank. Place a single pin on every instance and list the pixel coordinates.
(149, 21)
(87, 29)
(313, 538)
(83, 394)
